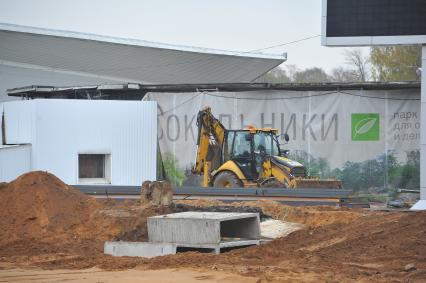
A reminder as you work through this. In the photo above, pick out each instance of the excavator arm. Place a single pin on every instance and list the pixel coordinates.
(210, 139)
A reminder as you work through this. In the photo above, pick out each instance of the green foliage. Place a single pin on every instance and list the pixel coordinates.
(363, 175)
(295, 75)
(383, 174)
(396, 63)
(315, 167)
(389, 63)
(312, 75)
(409, 174)
(172, 172)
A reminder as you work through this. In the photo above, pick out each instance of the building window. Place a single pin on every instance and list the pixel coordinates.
(94, 168)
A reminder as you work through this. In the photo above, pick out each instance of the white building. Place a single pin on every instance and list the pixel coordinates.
(80, 141)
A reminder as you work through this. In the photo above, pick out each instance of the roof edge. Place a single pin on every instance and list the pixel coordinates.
(33, 90)
(135, 42)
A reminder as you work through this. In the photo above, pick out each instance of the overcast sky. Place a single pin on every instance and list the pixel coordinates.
(238, 25)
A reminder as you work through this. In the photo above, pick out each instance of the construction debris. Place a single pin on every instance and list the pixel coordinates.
(273, 229)
(156, 193)
(410, 267)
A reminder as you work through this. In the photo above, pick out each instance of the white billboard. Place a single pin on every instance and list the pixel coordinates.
(331, 132)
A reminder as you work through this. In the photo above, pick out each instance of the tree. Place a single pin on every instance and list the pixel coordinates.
(343, 75)
(276, 75)
(316, 167)
(312, 75)
(173, 174)
(358, 62)
(409, 175)
(292, 70)
(396, 63)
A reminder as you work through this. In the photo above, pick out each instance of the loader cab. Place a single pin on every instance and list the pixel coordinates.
(248, 148)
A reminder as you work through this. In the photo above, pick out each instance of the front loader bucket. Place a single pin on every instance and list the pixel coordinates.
(317, 183)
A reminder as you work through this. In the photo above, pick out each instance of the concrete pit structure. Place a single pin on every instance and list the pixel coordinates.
(205, 230)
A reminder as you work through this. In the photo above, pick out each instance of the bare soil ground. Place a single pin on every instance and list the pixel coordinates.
(46, 224)
(96, 275)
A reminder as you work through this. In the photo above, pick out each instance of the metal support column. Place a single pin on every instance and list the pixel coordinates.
(421, 204)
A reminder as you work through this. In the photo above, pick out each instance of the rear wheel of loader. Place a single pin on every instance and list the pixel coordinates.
(227, 179)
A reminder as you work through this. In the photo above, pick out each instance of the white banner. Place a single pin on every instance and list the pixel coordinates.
(375, 132)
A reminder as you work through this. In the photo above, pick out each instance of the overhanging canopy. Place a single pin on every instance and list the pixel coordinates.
(127, 60)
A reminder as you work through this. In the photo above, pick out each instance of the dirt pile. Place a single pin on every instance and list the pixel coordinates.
(314, 216)
(39, 207)
(38, 204)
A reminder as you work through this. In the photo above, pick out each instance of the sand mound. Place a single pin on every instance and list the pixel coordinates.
(41, 217)
(38, 204)
(314, 216)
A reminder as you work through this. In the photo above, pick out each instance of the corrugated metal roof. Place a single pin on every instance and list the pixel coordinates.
(128, 59)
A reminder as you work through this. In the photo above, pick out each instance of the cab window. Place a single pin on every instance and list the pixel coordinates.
(228, 146)
(241, 145)
(264, 142)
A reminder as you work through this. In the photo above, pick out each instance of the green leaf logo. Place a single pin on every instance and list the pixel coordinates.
(365, 126)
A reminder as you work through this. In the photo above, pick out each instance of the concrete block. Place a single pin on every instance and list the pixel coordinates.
(212, 230)
(139, 249)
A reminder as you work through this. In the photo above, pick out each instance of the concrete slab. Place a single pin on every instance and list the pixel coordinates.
(420, 205)
(139, 249)
(222, 216)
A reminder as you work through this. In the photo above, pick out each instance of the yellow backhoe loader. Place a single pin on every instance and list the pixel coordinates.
(250, 157)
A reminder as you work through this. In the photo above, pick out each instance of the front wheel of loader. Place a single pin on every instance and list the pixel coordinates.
(227, 179)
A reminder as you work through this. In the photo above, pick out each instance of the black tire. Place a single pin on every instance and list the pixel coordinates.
(227, 179)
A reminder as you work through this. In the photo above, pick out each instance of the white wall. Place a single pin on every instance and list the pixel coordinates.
(60, 129)
(1, 121)
(14, 161)
(20, 118)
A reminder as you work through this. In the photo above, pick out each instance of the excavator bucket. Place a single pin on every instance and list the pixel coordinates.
(317, 183)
